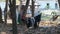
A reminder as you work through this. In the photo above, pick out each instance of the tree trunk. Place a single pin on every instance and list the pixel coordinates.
(1, 21)
(25, 8)
(59, 3)
(10, 6)
(32, 8)
(13, 15)
(24, 11)
(5, 11)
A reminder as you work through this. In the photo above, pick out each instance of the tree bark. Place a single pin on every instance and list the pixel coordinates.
(25, 8)
(32, 8)
(1, 21)
(5, 11)
(59, 3)
(13, 15)
(10, 6)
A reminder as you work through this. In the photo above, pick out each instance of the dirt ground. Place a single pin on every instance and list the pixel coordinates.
(22, 29)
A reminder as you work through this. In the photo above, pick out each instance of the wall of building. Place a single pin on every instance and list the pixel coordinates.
(44, 3)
